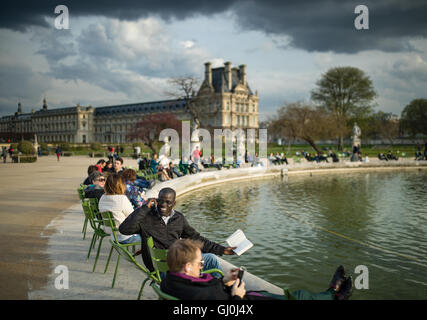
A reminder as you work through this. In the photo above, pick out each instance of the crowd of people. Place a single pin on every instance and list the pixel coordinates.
(388, 156)
(5, 152)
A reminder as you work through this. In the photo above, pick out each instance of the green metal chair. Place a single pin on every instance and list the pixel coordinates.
(81, 193)
(122, 249)
(96, 224)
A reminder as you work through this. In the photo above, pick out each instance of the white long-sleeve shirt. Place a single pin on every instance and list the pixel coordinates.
(121, 208)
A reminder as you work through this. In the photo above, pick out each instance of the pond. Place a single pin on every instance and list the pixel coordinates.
(304, 227)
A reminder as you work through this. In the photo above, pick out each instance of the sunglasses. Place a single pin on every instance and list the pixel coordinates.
(202, 263)
(101, 180)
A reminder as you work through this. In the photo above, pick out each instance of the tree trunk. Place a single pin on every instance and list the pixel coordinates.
(341, 143)
(313, 145)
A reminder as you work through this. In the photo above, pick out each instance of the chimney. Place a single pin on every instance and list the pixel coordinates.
(44, 104)
(243, 74)
(208, 73)
(228, 74)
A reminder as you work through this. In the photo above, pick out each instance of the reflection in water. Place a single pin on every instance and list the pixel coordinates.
(303, 227)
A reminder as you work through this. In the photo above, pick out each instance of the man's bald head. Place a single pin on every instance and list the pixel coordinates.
(167, 192)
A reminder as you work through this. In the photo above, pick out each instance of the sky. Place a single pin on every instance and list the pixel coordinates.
(118, 52)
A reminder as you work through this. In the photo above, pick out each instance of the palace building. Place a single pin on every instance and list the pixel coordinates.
(224, 100)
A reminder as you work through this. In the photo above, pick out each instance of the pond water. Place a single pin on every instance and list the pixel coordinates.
(303, 227)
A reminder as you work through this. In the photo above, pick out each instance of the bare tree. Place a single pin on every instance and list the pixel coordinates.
(303, 121)
(187, 89)
(149, 127)
(388, 127)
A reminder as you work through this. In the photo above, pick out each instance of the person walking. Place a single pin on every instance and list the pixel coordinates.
(58, 152)
(4, 154)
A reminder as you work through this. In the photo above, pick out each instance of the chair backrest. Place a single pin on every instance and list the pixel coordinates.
(93, 202)
(158, 257)
(89, 213)
(81, 191)
(108, 221)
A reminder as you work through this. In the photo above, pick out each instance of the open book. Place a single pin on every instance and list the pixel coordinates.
(238, 239)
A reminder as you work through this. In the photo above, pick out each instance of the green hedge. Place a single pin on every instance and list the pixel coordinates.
(26, 147)
(95, 146)
(24, 159)
(27, 159)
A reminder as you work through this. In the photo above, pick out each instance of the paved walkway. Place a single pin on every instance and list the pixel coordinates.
(31, 196)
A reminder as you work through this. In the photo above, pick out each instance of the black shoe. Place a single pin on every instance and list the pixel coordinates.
(337, 279)
(346, 289)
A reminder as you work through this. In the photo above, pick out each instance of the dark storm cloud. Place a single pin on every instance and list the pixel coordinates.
(326, 25)
(19, 15)
(329, 25)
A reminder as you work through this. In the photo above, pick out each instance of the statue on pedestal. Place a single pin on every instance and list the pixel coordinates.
(356, 136)
(356, 142)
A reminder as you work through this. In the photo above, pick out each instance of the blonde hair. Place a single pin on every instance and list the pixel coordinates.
(181, 252)
(115, 184)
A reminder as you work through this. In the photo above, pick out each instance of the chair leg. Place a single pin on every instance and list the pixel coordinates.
(115, 272)
(97, 253)
(84, 228)
(96, 238)
(91, 245)
(108, 261)
(142, 288)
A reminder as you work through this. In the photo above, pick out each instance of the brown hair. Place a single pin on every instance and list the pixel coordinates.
(115, 184)
(129, 175)
(181, 252)
(91, 169)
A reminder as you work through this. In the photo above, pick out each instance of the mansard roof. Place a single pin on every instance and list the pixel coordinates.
(155, 106)
(220, 82)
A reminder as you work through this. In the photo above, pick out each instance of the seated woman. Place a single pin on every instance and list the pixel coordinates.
(96, 188)
(108, 167)
(391, 156)
(273, 159)
(381, 156)
(162, 173)
(171, 170)
(133, 193)
(184, 281)
(115, 200)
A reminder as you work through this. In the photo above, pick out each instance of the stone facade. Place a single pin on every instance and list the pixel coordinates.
(224, 100)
